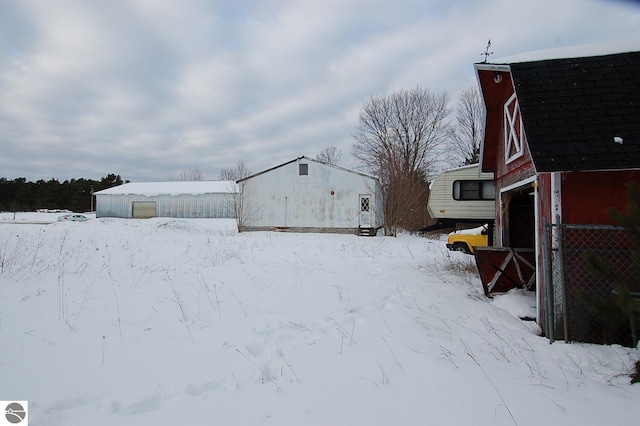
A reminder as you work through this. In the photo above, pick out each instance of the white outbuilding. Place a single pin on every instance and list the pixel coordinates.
(307, 195)
(198, 199)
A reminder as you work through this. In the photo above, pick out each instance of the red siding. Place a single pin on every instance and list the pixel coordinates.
(587, 196)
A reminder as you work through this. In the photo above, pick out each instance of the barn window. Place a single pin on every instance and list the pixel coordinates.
(303, 169)
(513, 130)
(473, 190)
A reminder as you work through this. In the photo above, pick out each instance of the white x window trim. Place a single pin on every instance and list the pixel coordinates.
(513, 129)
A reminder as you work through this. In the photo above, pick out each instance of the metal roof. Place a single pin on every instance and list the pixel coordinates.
(171, 188)
(305, 158)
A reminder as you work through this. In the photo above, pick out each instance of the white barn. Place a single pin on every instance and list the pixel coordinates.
(199, 199)
(307, 195)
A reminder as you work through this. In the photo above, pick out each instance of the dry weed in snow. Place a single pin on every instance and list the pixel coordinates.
(133, 322)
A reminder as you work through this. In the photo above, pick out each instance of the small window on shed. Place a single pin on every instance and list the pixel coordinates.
(303, 169)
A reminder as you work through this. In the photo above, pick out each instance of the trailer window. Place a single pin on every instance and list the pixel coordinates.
(473, 190)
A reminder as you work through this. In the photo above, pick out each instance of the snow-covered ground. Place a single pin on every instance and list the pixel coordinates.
(169, 321)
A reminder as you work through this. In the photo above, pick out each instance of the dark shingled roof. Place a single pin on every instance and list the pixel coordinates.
(573, 109)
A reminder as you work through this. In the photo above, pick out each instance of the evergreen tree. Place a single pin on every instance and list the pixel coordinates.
(624, 305)
(74, 194)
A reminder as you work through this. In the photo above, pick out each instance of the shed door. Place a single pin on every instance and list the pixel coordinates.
(144, 209)
(366, 212)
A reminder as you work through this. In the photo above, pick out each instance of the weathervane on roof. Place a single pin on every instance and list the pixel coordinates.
(486, 52)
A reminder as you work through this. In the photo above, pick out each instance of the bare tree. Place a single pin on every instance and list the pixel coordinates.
(398, 139)
(228, 173)
(241, 171)
(240, 199)
(331, 155)
(190, 175)
(469, 122)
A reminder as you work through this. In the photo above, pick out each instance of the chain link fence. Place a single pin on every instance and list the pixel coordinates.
(584, 303)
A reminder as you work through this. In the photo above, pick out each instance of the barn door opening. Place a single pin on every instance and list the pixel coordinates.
(365, 219)
(521, 230)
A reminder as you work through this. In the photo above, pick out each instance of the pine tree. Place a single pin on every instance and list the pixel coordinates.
(626, 287)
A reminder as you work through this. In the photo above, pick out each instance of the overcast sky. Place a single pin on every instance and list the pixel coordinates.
(148, 89)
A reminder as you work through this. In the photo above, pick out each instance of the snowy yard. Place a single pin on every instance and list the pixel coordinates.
(169, 321)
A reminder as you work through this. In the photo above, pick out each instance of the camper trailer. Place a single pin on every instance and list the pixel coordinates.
(462, 195)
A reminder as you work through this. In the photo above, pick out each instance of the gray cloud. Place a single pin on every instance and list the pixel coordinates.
(147, 88)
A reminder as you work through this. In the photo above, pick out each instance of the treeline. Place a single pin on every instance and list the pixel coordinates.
(75, 194)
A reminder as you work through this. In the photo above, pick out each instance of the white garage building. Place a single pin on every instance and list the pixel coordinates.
(200, 199)
(307, 195)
